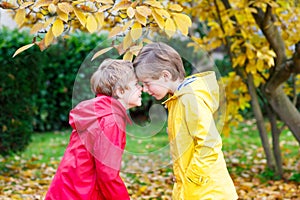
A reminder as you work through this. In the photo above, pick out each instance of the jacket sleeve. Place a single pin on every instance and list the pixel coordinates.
(112, 143)
(207, 141)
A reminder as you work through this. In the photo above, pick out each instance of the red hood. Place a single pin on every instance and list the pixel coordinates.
(87, 119)
(86, 113)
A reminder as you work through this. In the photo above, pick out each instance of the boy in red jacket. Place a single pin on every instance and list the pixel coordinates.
(90, 167)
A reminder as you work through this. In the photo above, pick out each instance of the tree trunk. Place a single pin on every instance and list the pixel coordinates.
(275, 141)
(278, 100)
(286, 111)
(260, 122)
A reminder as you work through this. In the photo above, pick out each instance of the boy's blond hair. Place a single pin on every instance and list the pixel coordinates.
(156, 57)
(111, 75)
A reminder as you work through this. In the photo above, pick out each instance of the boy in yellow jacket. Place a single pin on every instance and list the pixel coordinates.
(196, 146)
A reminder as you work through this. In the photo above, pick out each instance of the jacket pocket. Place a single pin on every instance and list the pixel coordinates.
(197, 179)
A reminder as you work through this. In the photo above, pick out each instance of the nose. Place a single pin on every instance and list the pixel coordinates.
(140, 87)
(145, 89)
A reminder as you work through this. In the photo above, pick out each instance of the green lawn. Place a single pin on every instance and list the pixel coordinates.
(243, 144)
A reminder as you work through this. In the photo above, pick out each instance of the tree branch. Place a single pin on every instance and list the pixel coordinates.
(281, 71)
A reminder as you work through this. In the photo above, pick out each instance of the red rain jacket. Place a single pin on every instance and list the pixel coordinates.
(91, 164)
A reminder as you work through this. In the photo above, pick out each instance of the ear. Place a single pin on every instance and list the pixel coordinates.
(166, 75)
(120, 93)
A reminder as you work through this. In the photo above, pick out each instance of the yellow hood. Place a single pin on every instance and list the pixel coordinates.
(204, 85)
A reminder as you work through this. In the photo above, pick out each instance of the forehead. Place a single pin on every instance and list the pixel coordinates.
(133, 80)
(145, 80)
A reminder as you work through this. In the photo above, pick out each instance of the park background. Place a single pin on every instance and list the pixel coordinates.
(36, 96)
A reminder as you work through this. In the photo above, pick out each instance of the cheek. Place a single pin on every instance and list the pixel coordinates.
(158, 89)
(152, 88)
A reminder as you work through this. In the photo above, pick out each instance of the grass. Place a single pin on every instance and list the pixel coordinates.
(246, 137)
(147, 138)
(47, 146)
(242, 148)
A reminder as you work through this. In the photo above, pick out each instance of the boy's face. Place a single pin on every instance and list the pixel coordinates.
(132, 95)
(156, 88)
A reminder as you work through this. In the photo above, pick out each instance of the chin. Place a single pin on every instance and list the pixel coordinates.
(135, 105)
(158, 98)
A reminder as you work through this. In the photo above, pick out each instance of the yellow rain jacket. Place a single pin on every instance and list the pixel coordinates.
(196, 146)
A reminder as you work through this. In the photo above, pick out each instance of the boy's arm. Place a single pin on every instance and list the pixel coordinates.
(207, 141)
(112, 143)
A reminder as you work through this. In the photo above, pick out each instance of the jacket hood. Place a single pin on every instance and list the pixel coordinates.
(85, 114)
(204, 85)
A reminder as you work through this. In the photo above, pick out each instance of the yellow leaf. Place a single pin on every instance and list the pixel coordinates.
(127, 41)
(102, 51)
(136, 31)
(49, 21)
(36, 27)
(122, 5)
(162, 12)
(239, 61)
(26, 4)
(52, 8)
(130, 12)
(127, 25)
(62, 15)
(250, 53)
(115, 31)
(176, 7)
(183, 22)
(136, 49)
(42, 3)
(91, 24)
(251, 10)
(57, 28)
(249, 45)
(128, 56)
(170, 27)
(100, 18)
(159, 20)
(154, 3)
(80, 15)
(236, 43)
(119, 48)
(147, 41)
(65, 7)
(23, 48)
(250, 68)
(143, 189)
(143, 10)
(106, 1)
(105, 7)
(20, 17)
(49, 37)
(215, 44)
(41, 44)
(123, 15)
(260, 65)
(271, 53)
(140, 18)
(270, 61)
